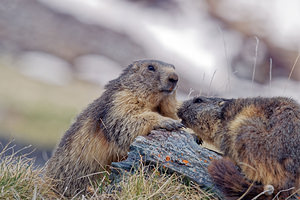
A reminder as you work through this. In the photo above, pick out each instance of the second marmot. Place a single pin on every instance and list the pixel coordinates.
(260, 135)
(142, 98)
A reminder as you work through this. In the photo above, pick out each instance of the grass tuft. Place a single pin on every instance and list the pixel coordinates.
(152, 184)
(19, 179)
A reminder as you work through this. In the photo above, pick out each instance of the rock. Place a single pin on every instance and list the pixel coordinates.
(174, 151)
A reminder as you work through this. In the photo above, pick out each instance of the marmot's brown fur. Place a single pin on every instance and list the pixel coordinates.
(260, 138)
(142, 98)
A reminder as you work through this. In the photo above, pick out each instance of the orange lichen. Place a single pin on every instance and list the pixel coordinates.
(168, 158)
(210, 157)
(185, 161)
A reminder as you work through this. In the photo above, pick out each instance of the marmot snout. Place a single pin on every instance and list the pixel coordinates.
(203, 115)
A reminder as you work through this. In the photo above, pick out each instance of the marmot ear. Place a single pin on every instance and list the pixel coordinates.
(134, 67)
(223, 108)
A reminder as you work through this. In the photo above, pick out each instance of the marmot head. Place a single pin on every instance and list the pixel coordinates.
(203, 115)
(150, 76)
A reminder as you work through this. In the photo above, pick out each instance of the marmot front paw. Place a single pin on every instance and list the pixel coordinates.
(170, 125)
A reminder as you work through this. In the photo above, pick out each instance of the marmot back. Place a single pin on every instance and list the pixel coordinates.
(142, 98)
(260, 135)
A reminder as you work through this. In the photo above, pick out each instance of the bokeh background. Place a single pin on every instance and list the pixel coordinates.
(56, 56)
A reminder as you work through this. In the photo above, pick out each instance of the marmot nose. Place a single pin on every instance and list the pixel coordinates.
(173, 78)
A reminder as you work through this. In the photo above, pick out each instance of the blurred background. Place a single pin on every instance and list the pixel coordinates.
(56, 56)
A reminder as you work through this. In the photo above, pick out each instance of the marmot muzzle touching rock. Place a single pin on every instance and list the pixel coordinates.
(260, 138)
(142, 98)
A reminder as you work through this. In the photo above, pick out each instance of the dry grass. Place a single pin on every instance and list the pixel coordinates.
(152, 184)
(159, 186)
(20, 180)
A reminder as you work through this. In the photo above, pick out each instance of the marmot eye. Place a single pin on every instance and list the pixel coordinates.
(198, 100)
(151, 68)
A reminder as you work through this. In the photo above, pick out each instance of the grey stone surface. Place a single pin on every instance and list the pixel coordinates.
(174, 151)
